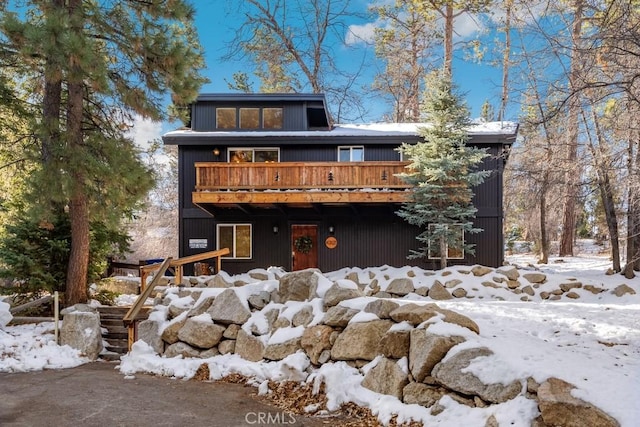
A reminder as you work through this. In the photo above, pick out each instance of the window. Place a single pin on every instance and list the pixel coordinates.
(249, 118)
(455, 244)
(226, 118)
(236, 237)
(257, 155)
(351, 154)
(272, 118)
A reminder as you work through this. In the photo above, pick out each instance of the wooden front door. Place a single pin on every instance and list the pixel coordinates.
(304, 247)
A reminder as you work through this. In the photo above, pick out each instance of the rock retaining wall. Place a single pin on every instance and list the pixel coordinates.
(415, 351)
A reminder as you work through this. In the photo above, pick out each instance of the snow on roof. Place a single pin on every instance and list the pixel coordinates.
(368, 129)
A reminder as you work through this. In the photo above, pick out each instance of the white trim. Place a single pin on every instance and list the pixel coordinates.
(351, 148)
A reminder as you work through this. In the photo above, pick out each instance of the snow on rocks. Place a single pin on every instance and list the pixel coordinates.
(397, 339)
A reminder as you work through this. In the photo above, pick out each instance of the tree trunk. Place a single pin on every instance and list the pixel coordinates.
(76, 290)
(633, 209)
(448, 40)
(571, 191)
(443, 252)
(602, 165)
(505, 59)
(544, 238)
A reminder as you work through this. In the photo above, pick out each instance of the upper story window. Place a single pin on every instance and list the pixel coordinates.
(254, 155)
(272, 118)
(226, 118)
(351, 154)
(249, 118)
(246, 118)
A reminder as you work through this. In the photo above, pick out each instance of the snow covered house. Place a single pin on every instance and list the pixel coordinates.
(268, 176)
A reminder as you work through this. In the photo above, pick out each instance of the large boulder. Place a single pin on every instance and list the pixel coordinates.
(381, 308)
(439, 292)
(280, 350)
(315, 340)
(181, 349)
(81, 330)
(360, 340)
(426, 350)
(559, 408)
(451, 374)
(400, 286)
(201, 332)
(299, 285)
(338, 292)
(395, 343)
(149, 332)
(228, 308)
(387, 377)
(170, 332)
(422, 394)
(413, 313)
(339, 316)
(249, 347)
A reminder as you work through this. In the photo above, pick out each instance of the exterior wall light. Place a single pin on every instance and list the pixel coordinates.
(216, 152)
(275, 229)
(331, 229)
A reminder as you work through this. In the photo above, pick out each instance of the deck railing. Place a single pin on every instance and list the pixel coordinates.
(217, 176)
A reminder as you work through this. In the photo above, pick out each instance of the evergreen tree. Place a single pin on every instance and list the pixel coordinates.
(443, 170)
(99, 64)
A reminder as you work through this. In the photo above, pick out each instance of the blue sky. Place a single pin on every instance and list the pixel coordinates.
(217, 21)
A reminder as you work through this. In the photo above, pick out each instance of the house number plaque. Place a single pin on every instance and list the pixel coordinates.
(331, 242)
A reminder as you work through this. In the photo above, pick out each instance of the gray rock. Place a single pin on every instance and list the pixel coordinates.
(535, 277)
(315, 340)
(381, 308)
(201, 307)
(339, 316)
(281, 350)
(227, 308)
(400, 286)
(528, 290)
(439, 292)
(181, 349)
(231, 332)
(452, 283)
(81, 331)
(217, 282)
(413, 313)
(360, 340)
(227, 346)
(559, 408)
(149, 332)
(395, 344)
(249, 347)
(170, 332)
(459, 293)
(567, 286)
(422, 394)
(481, 270)
(450, 375)
(335, 294)
(260, 300)
(210, 352)
(623, 290)
(299, 285)
(426, 350)
(387, 377)
(200, 333)
(510, 272)
(303, 317)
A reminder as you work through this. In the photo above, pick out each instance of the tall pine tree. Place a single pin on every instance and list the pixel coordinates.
(98, 65)
(443, 171)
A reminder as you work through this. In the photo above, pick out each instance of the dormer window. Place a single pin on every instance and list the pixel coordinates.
(249, 118)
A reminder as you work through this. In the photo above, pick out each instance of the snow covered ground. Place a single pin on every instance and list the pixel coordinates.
(592, 342)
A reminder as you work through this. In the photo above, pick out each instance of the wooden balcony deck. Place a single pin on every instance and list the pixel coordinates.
(298, 183)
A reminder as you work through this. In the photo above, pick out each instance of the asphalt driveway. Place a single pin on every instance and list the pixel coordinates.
(96, 394)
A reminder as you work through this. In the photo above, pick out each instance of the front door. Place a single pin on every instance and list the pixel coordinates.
(304, 247)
